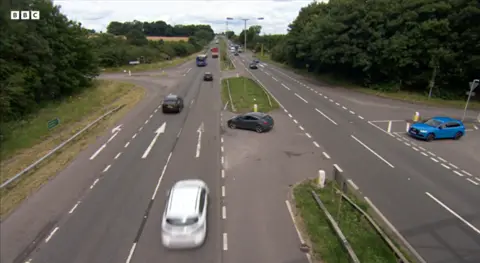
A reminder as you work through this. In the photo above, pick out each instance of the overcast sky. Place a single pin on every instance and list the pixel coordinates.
(98, 14)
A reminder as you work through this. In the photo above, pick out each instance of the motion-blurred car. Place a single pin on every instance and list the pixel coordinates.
(172, 104)
(208, 76)
(255, 121)
(253, 65)
(236, 53)
(256, 60)
(438, 128)
(184, 223)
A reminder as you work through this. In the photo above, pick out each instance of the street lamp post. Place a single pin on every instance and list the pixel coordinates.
(228, 18)
(245, 30)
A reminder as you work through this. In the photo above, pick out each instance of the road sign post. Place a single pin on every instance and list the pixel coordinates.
(53, 123)
(473, 86)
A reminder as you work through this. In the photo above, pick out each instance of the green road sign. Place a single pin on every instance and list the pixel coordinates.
(53, 123)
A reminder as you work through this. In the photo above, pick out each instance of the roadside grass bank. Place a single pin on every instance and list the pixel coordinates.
(152, 66)
(29, 140)
(244, 93)
(325, 245)
(401, 95)
(225, 62)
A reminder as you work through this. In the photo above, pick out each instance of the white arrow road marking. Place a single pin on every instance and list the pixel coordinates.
(159, 131)
(200, 130)
(117, 129)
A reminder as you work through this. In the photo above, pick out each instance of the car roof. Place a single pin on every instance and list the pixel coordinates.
(208, 73)
(184, 198)
(445, 119)
(171, 97)
(183, 202)
(256, 114)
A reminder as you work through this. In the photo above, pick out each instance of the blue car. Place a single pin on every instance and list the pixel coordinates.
(438, 128)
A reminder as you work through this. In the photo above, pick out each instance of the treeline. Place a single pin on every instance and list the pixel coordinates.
(420, 45)
(52, 58)
(255, 40)
(128, 41)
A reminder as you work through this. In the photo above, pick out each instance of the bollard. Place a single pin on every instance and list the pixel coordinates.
(321, 178)
(255, 107)
(129, 73)
(416, 117)
(339, 178)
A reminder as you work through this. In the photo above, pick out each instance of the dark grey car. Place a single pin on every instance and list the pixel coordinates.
(255, 121)
(253, 65)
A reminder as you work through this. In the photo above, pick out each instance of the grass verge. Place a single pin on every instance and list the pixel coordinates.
(225, 62)
(401, 95)
(153, 66)
(326, 246)
(32, 139)
(245, 93)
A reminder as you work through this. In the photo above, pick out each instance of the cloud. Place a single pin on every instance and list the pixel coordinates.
(97, 15)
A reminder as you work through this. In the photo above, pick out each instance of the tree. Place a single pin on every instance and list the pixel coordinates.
(425, 46)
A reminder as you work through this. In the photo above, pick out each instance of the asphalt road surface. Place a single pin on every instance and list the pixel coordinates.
(107, 205)
(259, 170)
(430, 200)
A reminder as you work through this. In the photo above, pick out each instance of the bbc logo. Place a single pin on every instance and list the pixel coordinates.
(24, 15)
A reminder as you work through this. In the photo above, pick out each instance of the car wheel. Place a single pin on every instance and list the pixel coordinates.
(458, 135)
(259, 129)
(232, 125)
(430, 137)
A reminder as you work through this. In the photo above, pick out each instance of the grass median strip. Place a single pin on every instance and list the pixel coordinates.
(29, 140)
(225, 62)
(245, 92)
(367, 244)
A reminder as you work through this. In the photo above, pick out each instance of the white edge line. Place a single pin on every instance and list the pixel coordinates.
(131, 252)
(289, 207)
(372, 151)
(453, 213)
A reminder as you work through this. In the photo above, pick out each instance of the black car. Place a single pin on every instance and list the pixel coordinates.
(253, 65)
(255, 121)
(235, 54)
(208, 76)
(172, 104)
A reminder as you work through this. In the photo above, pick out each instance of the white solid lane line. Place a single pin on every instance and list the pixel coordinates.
(98, 151)
(372, 151)
(324, 115)
(300, 97)
(285, 86)
(453, 213)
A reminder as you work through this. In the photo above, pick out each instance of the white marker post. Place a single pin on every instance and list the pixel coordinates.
(159, 131)
(321, 179)
(255, 107)
(129, 73)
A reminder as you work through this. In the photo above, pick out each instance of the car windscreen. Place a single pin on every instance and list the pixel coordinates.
(433, 123)
(182, 221)
(169, 102)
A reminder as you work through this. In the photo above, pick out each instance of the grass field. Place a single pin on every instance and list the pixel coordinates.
(245, 93)
(157, 38)
(402, 95)
(29, 140)
(366, 243)
(153, 66)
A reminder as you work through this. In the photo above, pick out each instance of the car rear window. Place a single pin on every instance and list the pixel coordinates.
(182, 221)
(268, 118)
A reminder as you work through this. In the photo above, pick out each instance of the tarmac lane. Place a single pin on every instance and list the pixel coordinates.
(103, 225)
(195, 156)
(395, 178)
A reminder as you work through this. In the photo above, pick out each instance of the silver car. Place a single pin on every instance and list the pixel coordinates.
(184, 223)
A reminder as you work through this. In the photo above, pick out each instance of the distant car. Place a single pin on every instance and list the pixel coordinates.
(235, 54)
(208, 76)
(184, 223)
(172, 104)
(438, 128)
(253, 65)
(255, 121)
